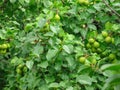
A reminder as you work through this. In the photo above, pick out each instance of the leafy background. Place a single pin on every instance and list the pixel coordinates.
(44, 51)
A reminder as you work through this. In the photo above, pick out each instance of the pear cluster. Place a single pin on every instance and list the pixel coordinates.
(99, 46)
(4, 47)
(95, 46)
(88, 61)
(21, 69)
(108, 39)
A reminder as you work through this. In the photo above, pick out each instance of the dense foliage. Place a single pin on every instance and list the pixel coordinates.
(59, 45)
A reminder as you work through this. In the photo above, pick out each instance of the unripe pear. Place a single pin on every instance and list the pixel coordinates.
(88, 45)
(82, 59)
(57, 17)
(96, 44)
(18, 71)
(104, 34)
(112, 56)
(86, 2)
(94, 61)
(108, 39)
(91, 40)
(4, 46)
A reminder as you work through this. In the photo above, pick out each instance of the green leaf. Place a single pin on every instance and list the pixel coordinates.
(84, 79)
(92, 26)
(117, 87)
(108, 73)
(111, 67)
(115, 27)
(29, 64)
(16, 61)
(49, 34)
(89, 88)
(44, 64)
(27, 1)
(12, 1)
(70, 88)
(22, 2)
(31, 2)
(38, 49)
(62, 83)
(47, 3)
(68, 48)
(97, 6)
(83, 68)
(49, 79)
(13, 61)
(2, 34)
(92, 34)
(113, 80)
(42, 22)
(58, 66)
(100, 37)
(51, 54)
(54, 85)
(108, 26)
(83, 32)
(44, 87)
(71, 62)
(54, 29)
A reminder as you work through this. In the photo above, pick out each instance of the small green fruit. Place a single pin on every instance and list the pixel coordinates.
(46, 24)
(20, 66)
(4, 46)
(112, 56)
(108, 39)
(86, 2)
(3, 51)
(91, 40)
(8, 45)
(94, 61)
(25, 69)
(104, 34)
(88, 45)
(57, 17)
(96, 44)
(114, 61)
(28, 27)
(18, 71)
(82, 59)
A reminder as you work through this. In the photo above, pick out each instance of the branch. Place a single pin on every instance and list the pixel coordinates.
(111, 8)
(62, 1)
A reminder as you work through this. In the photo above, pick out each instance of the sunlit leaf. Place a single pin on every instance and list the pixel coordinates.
(29, 64)
(84, 79)
(51, 54)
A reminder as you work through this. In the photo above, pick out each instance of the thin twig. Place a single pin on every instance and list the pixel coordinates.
(111, 8)
(62, 1)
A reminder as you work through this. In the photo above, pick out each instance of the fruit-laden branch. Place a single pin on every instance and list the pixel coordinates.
(111, 8)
